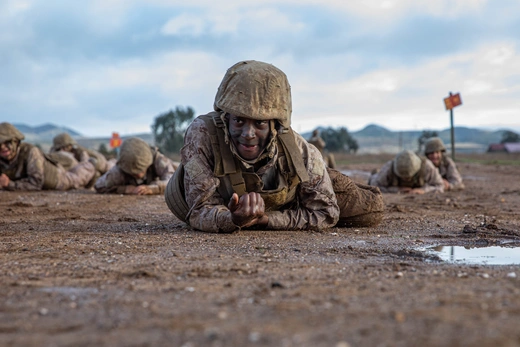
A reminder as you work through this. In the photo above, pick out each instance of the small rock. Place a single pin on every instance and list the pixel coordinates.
(254, 336)
(399, 317)
(399, 274)
(44, 311)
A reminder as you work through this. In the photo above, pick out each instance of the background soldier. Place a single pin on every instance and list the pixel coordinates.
(24, 166)
(435, 150)
(242, 165)
(320, 144)
(64, 144)
(140, 169)
(407, 173)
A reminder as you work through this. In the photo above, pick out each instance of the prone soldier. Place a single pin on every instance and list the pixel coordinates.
(140, 170)
(24, 166)
(242, 166)
(408, 173)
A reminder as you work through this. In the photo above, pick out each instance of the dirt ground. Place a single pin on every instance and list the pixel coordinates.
(81, 269)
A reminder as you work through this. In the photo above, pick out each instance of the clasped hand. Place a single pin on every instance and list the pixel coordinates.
(248, 210)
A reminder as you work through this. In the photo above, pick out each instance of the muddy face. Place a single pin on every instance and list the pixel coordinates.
(435, 158)
(249, 136)
(8, 150)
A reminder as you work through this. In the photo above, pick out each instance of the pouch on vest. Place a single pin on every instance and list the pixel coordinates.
(174, 194)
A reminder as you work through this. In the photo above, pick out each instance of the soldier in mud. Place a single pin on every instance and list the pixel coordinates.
(141, 170)
(320, 144)
(24, 166)
(408, 173)
(436, 151)
(242, 166)
(63, 146)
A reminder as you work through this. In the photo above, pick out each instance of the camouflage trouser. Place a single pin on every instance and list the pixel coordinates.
(360, 205)
(77, 177)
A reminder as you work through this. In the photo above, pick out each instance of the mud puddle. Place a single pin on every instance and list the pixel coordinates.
(507, 254)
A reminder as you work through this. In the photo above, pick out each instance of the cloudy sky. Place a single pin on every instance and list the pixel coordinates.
(113, 65)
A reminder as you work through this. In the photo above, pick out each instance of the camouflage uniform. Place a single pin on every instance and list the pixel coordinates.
(317, 205)
(31, 169)
(423, 174)
(289, 175)
(450, 173)
(447, 167)
(137, 156)
(64, 140)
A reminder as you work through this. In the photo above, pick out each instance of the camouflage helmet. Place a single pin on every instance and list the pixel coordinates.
(63, 140)
(8, 132)
(135, 156)
(255, 90)
(434, 144)
(407, 164)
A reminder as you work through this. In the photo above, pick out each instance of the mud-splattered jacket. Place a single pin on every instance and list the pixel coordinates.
(31, 169)
(157, 176)
(83, 154)
(450, 173)
(428, 178)
(314, 206)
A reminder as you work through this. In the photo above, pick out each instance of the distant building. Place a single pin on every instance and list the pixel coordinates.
(509, 147)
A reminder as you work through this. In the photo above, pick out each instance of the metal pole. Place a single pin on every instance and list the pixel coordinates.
(452, 134)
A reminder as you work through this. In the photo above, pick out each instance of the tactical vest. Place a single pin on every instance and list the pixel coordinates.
(290, 167)
(417, 180)
(50, 167)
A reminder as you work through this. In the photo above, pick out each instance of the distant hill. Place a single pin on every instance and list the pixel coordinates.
(371, 139)
(43, 135)
(377, 139)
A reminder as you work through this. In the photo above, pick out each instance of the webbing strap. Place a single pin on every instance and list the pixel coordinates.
(294, 157)
(230, 166)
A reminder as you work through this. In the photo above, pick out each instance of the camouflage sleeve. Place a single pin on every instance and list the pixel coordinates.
(112, 181)
(317, 206)
(208, 211)
(383, 179)
(35, 173)
(81, 154)
(453, 176)
(165, 169)
(433, 179)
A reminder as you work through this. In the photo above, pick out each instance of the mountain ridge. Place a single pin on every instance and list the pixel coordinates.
(372, 138)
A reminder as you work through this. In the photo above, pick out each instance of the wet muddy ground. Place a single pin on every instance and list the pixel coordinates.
(80, 269)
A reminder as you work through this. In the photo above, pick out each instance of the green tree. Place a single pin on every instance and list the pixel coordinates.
(510, 136)
(169, 127)
(107, 153)
(426, 134)
(339, 140)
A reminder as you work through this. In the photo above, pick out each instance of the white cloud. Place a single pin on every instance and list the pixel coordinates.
(121, 68)
(184, 24)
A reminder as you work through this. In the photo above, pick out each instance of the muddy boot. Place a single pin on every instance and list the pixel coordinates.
(360, 205)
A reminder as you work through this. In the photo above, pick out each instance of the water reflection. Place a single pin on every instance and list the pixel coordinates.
(493, 255)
